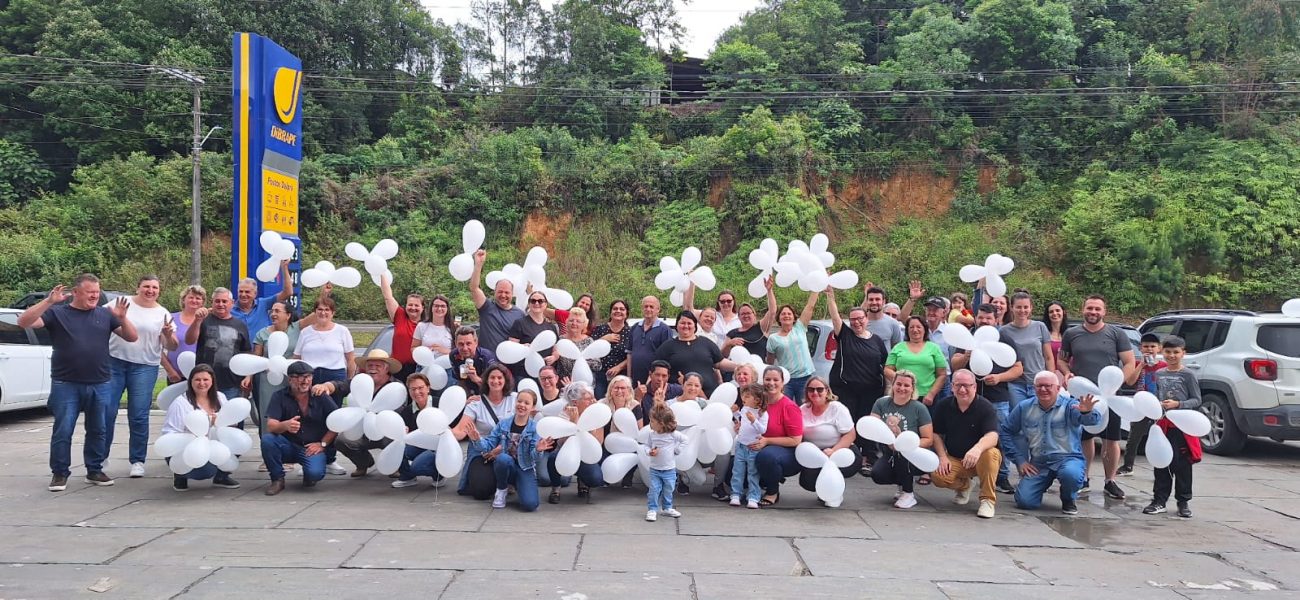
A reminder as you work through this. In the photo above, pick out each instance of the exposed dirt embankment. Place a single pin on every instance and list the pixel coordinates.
(542, 228)
(908, 192)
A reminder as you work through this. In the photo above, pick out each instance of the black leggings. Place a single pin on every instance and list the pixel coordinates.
(893, 469)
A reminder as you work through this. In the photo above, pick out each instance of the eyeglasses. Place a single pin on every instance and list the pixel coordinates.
(963, 385)
(1044, 386)
(725, 301)
(815, 390)
(536, 301)
(300, 376)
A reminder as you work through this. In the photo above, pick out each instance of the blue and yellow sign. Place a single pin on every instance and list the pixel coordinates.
(267, 93)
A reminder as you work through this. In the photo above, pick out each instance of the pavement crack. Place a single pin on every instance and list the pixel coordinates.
(360, 547)
(306, 505)
(450, 580)
(191, 585)
(693, 589)
(582, 537)
(800, 568)
(130, 548)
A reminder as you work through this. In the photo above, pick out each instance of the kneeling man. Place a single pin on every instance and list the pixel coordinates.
(1043, 437)
(966, 440)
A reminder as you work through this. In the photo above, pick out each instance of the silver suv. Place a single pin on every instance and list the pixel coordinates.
(1248, 365)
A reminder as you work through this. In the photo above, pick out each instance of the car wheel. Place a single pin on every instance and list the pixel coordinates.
(1224, 438)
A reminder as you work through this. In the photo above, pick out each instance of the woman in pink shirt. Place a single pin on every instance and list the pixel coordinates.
(775, 449)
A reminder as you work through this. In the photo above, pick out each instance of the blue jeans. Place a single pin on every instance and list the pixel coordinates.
(509, 472)
(1069, 471)
(662, 484)
(1004, 411)
(744, 471)
(588, 474)
(67, 401)
(775, 463)
(137, 381)
(416, 462)
(319, 376)
(276, 448)
(794, 388)
(1020, 391)
(601, 383)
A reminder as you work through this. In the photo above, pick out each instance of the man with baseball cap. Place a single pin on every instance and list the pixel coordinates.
(296, 431)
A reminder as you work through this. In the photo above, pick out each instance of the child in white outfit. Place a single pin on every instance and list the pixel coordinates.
(753, 424)
(664, 445)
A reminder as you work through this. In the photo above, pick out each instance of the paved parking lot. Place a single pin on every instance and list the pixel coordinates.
(348, 537)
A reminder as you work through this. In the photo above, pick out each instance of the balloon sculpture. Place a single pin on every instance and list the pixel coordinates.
(581, 370)
(435, 367)
(625, 450)
(806, 264)
(376, 259)
(511, 353)
(532, 273)
(276, 366)
(277, 250)
(907, 443)
(994, 267)
(586, 448)
(185, 362)
(372, 414)
(205, 442)
(433, 432)
(324, 272)
(763, 258)
(983, 345)
(830, 482)
(679, 276)
(471, 239)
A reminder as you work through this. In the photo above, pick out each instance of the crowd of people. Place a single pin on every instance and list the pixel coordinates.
(1015, 422)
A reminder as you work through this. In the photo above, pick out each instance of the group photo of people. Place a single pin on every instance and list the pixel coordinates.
(1011, 434)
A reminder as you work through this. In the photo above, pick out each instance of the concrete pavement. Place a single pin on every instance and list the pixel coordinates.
(348, 537)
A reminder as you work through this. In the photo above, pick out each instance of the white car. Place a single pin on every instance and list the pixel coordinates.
(24, 363)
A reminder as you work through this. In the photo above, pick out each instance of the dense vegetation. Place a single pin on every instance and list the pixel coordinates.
(1145, 149)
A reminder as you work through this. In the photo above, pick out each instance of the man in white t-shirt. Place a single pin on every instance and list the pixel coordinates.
(133, 368)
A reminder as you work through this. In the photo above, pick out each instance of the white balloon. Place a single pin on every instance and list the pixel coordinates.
(362, 390)
(356, 251)
(703, 278)
(995, 285)
(716, 416)
(390, 425)
(346, 277)
(471, 236)
(511, 353)
(553, 408)
(177, 465)
(461, 267)
(449, 458)
(971, 273)
(218, 453)
(981, 363)
(998, 264)
(616, 467)
(1082, 386)
(625, 421)
(390, 458)
(1102, 408)
(536, 256)
(842, 458)
(814, 281)
(1291, 308)
(232, 412)
(1110, 379)
(874, 429)
(171, 393)
(620, 443)
(688, 413)
(568, 458)
(1124, 408)
(237, 440)
(589, 447)
(1147, 404)
(231, 465)
(689, 452)
(389, 398)
(315, 277)
(809, 456)
(695, 476)
(1000, 353)
(720, 441)
(957, 336)
(196, 421)
(422, 439)
(248, 364)
(555, 427)
(830, 484)
(844, 280)
(757, 288)
(345, 418)
(595, 417)
(907, 441)
(1191, 422)
(452, 402)
(1159, 452)
(923, 459)
(197, 452)
(370, 424)
(171, 444)
(725, 394)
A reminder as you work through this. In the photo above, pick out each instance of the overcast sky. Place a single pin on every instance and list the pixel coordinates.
(704, 19)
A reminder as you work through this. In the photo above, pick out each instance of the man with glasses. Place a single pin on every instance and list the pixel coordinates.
(996, 386)
(296, 429)
(1043, 437)
(858, 374)
(966, 440)
(381, 369)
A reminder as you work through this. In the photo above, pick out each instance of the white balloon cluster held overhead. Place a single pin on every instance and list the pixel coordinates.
(374, 415)
(376, 259)
(185, 363)
(806, 264)
(277, 250)
(907, 443)
(533, 272)
(204, 442)
(994, 267)
(325, 272)
(984, 346)
(584, 447)
(471, 239)
(276, 366)
(1143, 404)
(678, 276)
(433, 433)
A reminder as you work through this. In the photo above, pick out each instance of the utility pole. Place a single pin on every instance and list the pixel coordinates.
(196, 230)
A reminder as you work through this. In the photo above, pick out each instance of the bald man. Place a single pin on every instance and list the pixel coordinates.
(494, 317)
(646, 339)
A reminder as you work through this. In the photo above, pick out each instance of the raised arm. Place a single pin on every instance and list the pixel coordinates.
(390, 303)
(914, 292)
(688, 299)
(286, 286)
(32, 316)
(766, 321)
(126, 330)
(475, 278)
(806, 316)
(836, 321)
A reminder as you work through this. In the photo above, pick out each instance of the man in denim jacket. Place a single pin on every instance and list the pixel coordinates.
(1042, 437)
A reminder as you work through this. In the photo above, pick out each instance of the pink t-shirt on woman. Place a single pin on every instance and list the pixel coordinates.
(784, 419)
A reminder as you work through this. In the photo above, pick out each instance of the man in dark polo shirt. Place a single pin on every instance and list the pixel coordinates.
(295, 422)
(79, 332)
(966, 440)
(996, 386)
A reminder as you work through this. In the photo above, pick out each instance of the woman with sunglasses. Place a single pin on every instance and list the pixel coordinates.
(828, 425)
(525, 329)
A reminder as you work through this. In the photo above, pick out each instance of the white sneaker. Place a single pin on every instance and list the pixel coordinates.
(439, 482)
(499, 500)
(905, 500)
(137, 470)
(405, 483)
(735, 500)
(752, 504)
(987, 509)
(651, 515)
(335, 469)
(672, 512)
(962, 497)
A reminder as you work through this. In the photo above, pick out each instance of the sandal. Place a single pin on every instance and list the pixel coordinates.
(923, 480)
(765, 502)
(554, 498)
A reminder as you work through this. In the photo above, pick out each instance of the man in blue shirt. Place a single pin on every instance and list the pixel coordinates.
(646, 338)
(256, 312)
(1043, 437)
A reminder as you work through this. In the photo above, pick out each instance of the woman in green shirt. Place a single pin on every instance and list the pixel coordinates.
(920, 356)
